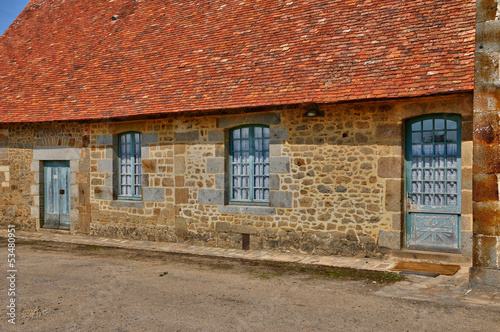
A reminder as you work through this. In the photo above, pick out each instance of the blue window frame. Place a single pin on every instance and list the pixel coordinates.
(130, 165)
(249, 164)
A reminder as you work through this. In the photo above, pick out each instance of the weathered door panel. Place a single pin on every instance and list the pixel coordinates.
(57, 195)
(433, 184)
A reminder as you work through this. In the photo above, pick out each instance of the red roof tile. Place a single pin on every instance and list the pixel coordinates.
(68, 60)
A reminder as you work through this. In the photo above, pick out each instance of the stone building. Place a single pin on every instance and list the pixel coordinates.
(323, 127)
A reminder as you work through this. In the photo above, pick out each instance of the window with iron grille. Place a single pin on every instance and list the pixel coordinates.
(130, 165)
(249, 165)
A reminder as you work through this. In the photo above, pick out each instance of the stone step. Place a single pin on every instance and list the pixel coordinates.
(430, 256)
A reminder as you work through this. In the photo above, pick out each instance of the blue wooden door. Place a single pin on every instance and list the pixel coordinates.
(433, 174)
(57, 195)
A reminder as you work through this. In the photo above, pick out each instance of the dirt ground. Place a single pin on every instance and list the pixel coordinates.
(63, 287)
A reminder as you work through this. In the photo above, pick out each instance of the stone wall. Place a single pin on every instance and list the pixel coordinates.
(23, 150)
(336, 180)
(486, 269)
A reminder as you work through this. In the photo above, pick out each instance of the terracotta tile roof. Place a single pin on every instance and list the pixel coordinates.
(69, 60)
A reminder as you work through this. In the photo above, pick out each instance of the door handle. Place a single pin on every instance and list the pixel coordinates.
(61, 191)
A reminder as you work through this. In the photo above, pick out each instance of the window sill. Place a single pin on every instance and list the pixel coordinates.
(127, 203)
(246, 209)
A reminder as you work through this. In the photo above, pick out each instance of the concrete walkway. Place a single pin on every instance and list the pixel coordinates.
(448, 289)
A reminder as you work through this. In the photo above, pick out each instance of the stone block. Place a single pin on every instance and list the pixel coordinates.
(389, 167)
(179, 149)
(179, 181)
(35, 189)
(275, 149)
(179, 164)
(35, 166)
(187, 136)
(221, 180)
(84, 219)
(391, 132)
(216, 136)
(145, 180)
(181, 227)
(74, 166)
(274, 182)
(486, 97)
(486, 218)
(485, 187)
(393, 195)
(484, 277)
(259, 118)
(83, 193)
(145, 151)
(101, 192)
(35, 212)
(466, 222)
(283, 199)
(149, 165)
(154, 194)
(486, 67)
(108, 179)
(110, 153)
(486, 128)
(222, 227)
(105, 166)
(467, 178)
(467, 244)
(486, 10)
(211, 196)
(485, 253)
(11, 211)
(279, 165)
(127, 204)
(278, 132)
(466, 201)
(181, 195)
(396, 222)
(215, 165)
(391, 240)
(44, 153)
(243, 229)
(150, 138)
(486, 159)
(254, 210)
(104, 139)
(467, 154)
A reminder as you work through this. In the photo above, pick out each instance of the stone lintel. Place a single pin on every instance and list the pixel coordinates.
(187, 136)
(269, 119)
